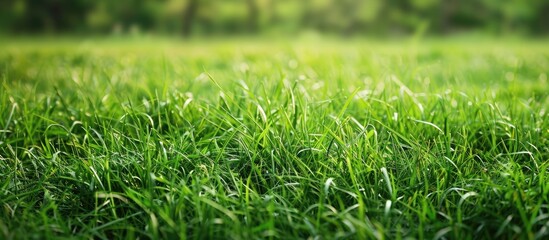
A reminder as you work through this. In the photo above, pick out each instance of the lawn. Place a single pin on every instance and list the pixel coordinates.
(261, 139)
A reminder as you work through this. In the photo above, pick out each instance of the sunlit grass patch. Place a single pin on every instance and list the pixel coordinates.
(283, 140)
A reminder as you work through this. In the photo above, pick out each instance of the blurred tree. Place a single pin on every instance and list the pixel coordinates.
(447, 10)
(189, 14)
(253, 15)
(238, 16)
(100, 18)
(539, 22)
(45, 15)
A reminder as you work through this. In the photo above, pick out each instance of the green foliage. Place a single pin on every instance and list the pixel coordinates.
(214, 17)
(164, 140)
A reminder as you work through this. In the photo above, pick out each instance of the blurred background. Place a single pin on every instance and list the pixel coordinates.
(272, 17)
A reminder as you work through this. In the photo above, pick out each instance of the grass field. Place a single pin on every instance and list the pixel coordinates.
(161, 139)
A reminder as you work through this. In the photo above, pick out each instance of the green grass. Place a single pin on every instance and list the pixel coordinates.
(108, 139)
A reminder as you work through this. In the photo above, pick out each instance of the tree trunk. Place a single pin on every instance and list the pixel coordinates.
(447, 11)
(188, 17)
(543, 19)
(253, 15)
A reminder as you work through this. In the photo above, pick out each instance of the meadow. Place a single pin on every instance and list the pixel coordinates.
(265, 139)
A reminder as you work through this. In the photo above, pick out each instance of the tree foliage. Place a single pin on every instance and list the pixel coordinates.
(250, 16)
